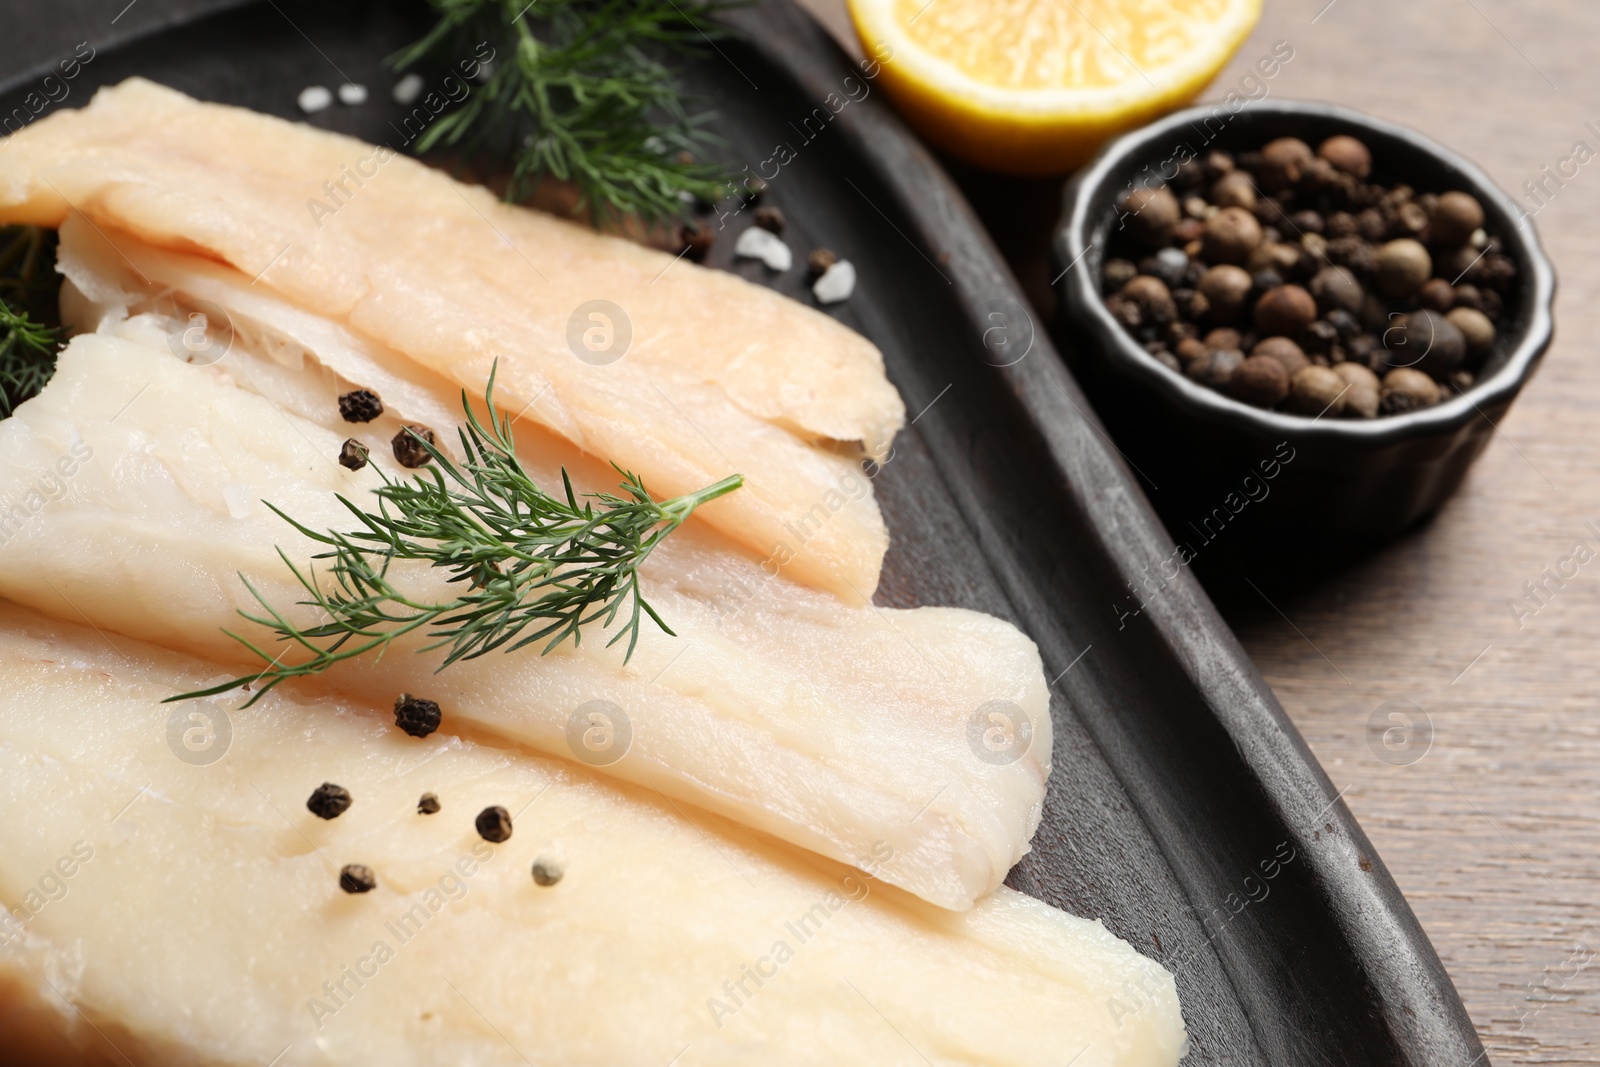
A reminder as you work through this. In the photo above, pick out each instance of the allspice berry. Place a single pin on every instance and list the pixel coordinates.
(1188, 350)
(1361, 401)
(1428, 341)
(1154, 299)
(1437, 294)
(1317, 391)
(1231, 235)
(1336, 288)
(1282, 161)
(1216, 367)
(1455, 218)
(1347, 154)
(1234, 189)
(1285, 311)
(1402, 267)
(1284, 351)
(1222, 337)
(1152, 213)
(1260, 380)
(1226, 288)
(1476, 330)
(1407, 389)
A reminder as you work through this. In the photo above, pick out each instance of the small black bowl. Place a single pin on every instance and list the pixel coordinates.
(1233, 481)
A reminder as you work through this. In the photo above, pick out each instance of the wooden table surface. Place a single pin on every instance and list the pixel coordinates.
(1494, 833)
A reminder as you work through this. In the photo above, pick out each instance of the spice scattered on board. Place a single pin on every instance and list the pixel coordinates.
(428, 804)
(329, 801)
(1260, 274)
(416, 716)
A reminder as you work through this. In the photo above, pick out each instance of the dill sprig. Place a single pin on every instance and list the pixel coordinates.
(577, 92)
(536, 567)
(27, 287)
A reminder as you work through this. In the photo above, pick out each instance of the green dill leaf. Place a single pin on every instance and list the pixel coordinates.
(534, 569)
(578, 91)
(27, 301)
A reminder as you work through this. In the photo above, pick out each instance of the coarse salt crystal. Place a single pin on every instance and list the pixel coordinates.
(768, 247)
(836, 283)
(313, 98)
(407, 89)
(352, 94)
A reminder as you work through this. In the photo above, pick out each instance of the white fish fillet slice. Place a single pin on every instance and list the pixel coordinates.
(720, 375)
(195, 914)
(831, 727)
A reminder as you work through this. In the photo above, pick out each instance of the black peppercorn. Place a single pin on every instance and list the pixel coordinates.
(820, 259)
(353, 455)
(428, 804)
(354, 878)
(416, 716)
(329, 801)
(494, 825)
(408, 450)
(771, 218)
(695, 240)
(360, 405)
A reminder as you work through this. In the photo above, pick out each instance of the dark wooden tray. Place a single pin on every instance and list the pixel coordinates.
(1184, 809)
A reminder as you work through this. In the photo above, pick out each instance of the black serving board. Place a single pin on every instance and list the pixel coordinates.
(1179, 784)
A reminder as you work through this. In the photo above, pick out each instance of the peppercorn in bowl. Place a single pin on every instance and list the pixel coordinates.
(1300, 324)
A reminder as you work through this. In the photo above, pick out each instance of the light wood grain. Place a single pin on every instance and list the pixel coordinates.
(1494, 834)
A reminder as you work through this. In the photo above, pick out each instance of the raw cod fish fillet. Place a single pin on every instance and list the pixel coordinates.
(838, 729)
(720, 374)
(186, 909)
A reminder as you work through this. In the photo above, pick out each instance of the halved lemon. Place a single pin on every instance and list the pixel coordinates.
(1035, 86)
